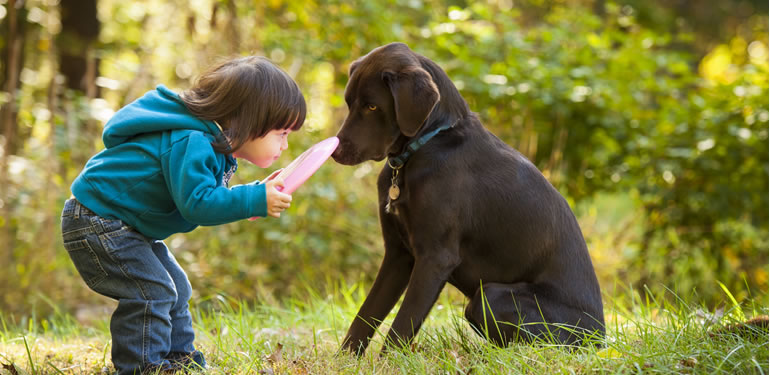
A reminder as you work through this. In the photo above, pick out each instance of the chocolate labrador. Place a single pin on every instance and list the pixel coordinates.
(458, 205)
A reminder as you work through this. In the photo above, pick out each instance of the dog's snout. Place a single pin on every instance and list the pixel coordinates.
(341, 154)
(336, 154)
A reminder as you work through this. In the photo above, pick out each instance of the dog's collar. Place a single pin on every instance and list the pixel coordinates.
(399, 161)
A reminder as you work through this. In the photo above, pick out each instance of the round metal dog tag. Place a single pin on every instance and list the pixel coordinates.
(394, 192)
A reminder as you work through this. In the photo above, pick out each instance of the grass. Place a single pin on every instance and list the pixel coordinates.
(302, 335)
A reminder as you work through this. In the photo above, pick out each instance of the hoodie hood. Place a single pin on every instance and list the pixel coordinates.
(157, 110)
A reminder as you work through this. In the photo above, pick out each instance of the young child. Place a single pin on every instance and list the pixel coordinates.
(165, 170)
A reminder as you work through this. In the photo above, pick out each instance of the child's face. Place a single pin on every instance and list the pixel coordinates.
(263, 151)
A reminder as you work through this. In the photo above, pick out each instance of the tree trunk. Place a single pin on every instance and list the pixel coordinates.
(234, 34)
(13, 54)
(13, 58)
(78, 63)
(79, 33)
(52, 166)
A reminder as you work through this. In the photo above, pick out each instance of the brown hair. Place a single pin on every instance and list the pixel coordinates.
(248, 97)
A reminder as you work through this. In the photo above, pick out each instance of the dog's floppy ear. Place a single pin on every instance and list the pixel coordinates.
(414, 94)
(353, 67)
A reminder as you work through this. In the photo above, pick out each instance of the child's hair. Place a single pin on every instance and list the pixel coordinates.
(248, 97)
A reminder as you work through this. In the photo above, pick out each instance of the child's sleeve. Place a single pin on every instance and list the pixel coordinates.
(189, 170)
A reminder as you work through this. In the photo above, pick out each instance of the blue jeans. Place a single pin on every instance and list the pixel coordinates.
(152, 326)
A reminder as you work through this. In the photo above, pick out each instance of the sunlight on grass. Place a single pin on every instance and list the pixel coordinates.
(302, 334)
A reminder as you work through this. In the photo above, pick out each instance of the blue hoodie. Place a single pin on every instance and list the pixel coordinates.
(160, 174)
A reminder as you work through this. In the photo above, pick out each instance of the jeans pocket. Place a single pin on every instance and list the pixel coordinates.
(86, 262)
(120, 244)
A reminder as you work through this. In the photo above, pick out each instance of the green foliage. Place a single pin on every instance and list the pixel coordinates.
(619, 117)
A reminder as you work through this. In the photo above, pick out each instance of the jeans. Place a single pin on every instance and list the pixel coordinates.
(152, 326)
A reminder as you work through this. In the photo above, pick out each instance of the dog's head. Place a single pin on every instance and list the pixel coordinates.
(389, 94)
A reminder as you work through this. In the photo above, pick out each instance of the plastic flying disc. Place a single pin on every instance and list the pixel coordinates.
(301, 168)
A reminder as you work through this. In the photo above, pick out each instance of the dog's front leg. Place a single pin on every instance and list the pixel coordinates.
(428, 278)
(387, 288)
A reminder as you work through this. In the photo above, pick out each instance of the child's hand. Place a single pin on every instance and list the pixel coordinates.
(265, 181)
(277, 202)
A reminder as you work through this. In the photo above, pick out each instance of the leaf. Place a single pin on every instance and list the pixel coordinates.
(276, 356)
(609, 353)
(689, 362)
(11, 368)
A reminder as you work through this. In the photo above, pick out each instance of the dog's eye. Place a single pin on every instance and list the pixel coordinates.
(372, 107)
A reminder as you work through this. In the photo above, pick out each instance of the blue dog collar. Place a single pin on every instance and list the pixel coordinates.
(399, 161)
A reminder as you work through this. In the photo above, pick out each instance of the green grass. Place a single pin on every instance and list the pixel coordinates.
(645, 335)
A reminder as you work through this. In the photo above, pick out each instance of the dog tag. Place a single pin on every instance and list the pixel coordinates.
(394, 192)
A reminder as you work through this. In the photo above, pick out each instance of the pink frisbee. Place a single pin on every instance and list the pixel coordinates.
(299, 170)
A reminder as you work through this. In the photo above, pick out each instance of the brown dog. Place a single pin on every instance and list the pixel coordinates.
(458, 205)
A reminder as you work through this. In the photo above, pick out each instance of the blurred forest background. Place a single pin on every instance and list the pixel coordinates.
(650, 116)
